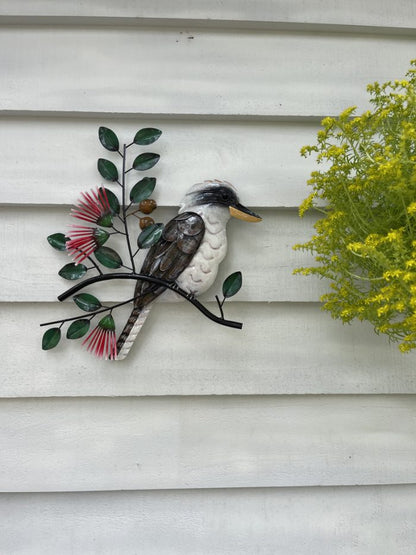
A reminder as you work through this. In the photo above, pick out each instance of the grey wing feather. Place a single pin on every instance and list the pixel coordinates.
(169, 257)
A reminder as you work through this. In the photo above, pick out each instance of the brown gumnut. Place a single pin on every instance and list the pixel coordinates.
(145, 222)
(147, 206)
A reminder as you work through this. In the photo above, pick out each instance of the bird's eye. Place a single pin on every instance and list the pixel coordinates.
(224, 195)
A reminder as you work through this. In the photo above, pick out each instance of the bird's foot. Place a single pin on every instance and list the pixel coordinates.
(175, 287)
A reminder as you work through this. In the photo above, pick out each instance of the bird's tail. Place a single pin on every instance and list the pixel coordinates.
(131, 329)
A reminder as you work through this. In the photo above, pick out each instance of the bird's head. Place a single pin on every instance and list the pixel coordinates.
(218, 194)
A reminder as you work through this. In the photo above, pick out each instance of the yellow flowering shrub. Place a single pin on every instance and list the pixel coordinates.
(365, 241)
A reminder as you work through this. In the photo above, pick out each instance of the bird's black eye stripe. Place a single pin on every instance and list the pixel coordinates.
(215, 195)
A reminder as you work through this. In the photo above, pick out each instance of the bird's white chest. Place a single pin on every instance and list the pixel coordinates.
(202, 271)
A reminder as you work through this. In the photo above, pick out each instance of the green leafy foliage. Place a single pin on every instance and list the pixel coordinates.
(108, 257)
(87, 302)
(78, 329)
(73, 271)
(147, 136)
(365, 240)
(143, 189)
(108, 139)
(149, 236)
(145, 161)
(232, 285)
(107, 169)
(51, 338)
(57, 241)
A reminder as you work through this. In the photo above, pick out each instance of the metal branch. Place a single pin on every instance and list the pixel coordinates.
(124, 208)
(89, 315)
(168, 284)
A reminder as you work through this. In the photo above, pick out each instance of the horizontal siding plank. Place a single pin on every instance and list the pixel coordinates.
(260, 158)
(240, 12)
(206, 442)
(359, 520)
(203, 71)
(262, 252)
(282, 349)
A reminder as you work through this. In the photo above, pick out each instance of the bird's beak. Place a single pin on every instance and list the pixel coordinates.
(242, 213)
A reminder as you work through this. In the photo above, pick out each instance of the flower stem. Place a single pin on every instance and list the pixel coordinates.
(124, 207)
(95, 265)
(220, 305)
(118, 230)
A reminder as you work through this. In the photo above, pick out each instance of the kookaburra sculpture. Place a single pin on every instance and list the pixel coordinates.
(189, 251)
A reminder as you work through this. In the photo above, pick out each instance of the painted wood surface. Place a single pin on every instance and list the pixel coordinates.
(360, 520)
(283, 348)
(372, 13)
(57, 157)
(263, 252)
(203, 71)
(206, 442)
(291, 402)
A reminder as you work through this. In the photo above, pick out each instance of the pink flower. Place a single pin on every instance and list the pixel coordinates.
(83, 241)
(102, 339)
(94, 207)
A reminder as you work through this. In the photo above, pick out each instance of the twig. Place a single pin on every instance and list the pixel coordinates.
(124, 208)
(95, 265)
(89, 314)
(220, 305)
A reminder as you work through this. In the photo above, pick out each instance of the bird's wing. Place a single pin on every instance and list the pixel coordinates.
(169, 257)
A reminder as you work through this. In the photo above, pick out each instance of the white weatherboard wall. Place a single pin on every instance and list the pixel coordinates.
(293, 435)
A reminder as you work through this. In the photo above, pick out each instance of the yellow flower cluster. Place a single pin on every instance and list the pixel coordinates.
(365, 243)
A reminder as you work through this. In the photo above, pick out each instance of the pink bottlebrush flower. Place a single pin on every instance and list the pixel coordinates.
(102, 339)
(94, 207)
(83, 241)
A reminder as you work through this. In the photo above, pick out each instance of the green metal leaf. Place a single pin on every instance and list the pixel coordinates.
(51, 338)
(147, 136)
(73, 271)
(108, 139)
(107, 323)
(108, 257)
(101, 236)
(106, 220)
(87, 302)
(145, 161)
(107, 169)
(149, 236)
(78, 329)
(232, 284)
(143, 189)
(112, 201)
(57, 241)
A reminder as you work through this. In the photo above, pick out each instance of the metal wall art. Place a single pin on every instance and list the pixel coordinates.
(182, 258)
